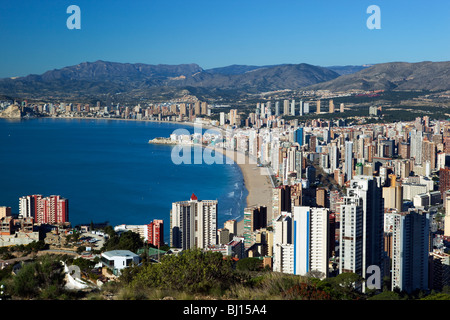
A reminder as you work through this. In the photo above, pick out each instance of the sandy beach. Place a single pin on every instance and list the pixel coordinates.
(256, 181)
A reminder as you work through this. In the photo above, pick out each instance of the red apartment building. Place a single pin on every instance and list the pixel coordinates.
(52, 210)
(156, 233)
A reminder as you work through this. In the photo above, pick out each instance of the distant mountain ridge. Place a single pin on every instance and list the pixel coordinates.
(115, 81)
(91, 79)
(424, 75)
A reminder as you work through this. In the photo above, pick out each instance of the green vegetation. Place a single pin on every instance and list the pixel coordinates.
(21, 250)
(126, 241)
(43, 278)
(206, 274)
(192, 274)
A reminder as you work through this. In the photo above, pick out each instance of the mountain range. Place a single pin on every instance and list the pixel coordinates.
(427, 75)
(103, 79)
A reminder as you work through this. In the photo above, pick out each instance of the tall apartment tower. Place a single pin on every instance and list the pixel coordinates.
(281, 200)
(334, 157)
(30, 205)
(233, 115)
(306, 107)
(410, 249)
(331, 106)
(155, 234)
(310, 240)
(193, 223)
(52, 210)
(364, 191)
(416, 140)
(350, 236)
(283, 253)
(348, 168)
(444, 181)
(286, 107)
(447, 216)
(293, 107)
(277, 108)
(318, 107)
(254, 218)
(56, 210)
(393, 195)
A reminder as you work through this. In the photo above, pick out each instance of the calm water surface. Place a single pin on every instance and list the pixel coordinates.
(108, 171)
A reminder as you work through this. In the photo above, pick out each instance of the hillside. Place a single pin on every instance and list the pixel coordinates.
(426, 75)
(96, 80)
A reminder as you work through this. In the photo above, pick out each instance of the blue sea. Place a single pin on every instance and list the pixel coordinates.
(109, 171)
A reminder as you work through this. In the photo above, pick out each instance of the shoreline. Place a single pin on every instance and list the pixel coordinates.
(259, 186)
(188, 123)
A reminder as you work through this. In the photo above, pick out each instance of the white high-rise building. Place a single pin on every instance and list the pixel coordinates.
(283, 251)
(286, 107)
(310, 240)
(283, 258)
(269, 109)
(263, 111)
(28, 206)
(348, 169)
(416, 139)
(306, 107)
(282, 228)
(293, 107)
(193, 223)
(334, 160)
(350, 237)
(362, 225)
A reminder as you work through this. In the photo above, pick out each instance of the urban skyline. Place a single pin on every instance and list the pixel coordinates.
(347, 174)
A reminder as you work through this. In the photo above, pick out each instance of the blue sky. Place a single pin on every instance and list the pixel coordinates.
(214, 33)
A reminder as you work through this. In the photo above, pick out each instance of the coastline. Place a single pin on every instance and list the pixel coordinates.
(187, 123)
(259, 186)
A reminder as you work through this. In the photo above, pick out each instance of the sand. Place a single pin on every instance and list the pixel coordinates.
(256, 180)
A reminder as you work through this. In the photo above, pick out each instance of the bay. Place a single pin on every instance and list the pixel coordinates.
(109, 171)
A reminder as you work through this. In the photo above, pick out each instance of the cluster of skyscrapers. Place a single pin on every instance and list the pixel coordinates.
(351, 198)
(360, 198)
(53, 209)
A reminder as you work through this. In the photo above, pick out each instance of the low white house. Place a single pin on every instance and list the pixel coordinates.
(116, 260)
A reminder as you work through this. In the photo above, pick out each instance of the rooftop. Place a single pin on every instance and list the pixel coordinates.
(119, 253)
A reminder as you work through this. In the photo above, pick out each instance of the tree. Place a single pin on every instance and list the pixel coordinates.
(348, 279)
(192, 271)
(26, 284)
(249, 264)
(41, 278)
(386, 295)
(343, 285)
(128, 240)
